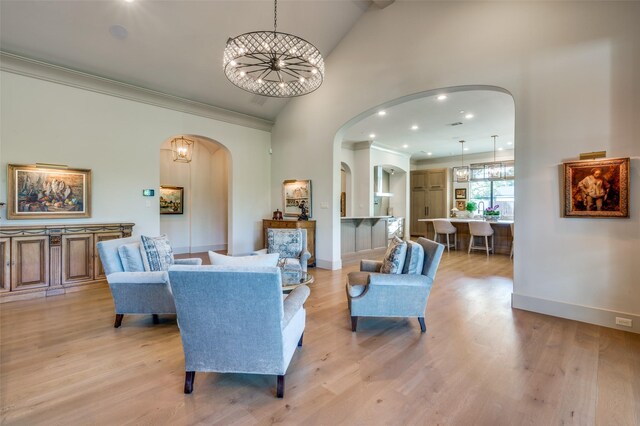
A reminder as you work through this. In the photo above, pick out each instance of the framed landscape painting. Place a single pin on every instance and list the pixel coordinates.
(48, 192)
(461, 193)
(171, 200)
(597, 188)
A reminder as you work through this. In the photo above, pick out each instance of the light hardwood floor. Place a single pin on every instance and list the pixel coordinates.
(480, 363)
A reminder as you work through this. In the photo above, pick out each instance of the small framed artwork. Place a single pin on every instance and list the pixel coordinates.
(296, 196)
(171, 199)
(48, 192)
(461, 193)
(597, 188)
(461, 205)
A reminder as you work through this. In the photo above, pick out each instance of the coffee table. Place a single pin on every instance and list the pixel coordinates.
(292, 279)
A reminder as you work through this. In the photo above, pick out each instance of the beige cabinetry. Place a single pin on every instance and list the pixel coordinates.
(51, 259)
(309, 225)
(5, 268)
(428, 197)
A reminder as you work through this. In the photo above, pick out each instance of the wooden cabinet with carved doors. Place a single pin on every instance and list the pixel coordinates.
(5, 268)
(47, 260)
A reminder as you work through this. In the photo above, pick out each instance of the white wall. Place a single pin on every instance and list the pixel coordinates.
(572, 70)
(119, 140)
(203, 226)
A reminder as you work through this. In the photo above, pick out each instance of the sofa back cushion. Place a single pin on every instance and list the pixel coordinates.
(156, 253)
(257, 260)
(414, 260)
(131, 257)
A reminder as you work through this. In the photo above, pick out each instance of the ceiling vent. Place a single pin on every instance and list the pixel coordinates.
(457, 123)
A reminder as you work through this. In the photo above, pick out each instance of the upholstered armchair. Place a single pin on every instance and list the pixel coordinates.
(291, 244)
(134, 290)
(374, 294)
(233, 319)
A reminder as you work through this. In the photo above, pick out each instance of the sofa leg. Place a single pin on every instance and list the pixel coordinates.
(188, 381)
(354, 323)
(118, 321)
(280, 386)
(423, 327)
(156, 319)
(300, 341)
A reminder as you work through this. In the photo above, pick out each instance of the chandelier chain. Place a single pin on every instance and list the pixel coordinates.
(275, 16)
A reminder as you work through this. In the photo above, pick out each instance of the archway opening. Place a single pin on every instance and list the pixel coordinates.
(202, 224)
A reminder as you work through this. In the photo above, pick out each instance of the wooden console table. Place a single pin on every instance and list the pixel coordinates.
(309, 225)
(46, 260)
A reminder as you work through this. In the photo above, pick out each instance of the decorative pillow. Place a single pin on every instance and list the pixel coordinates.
(393, 261)
(257, 260)
(131, 257)
(285, 242)
(415, 259)
(156, 253)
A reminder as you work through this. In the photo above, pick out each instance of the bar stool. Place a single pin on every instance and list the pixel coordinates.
(443, 226)
(480, 229)
(513, 240)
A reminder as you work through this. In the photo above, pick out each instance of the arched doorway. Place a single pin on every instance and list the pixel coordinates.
(205, 181)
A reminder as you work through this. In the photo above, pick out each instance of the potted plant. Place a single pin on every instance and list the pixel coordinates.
(471, 207)
(492, 213)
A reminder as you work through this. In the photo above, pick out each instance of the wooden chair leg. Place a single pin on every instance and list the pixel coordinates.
(156, 319)
(188, 381)
(280, 386)
(486, 244)
(300, 341)
(455, 241)
(118, 321)
(423, 327)
(354, 323)
(448, 243)
(470, 244)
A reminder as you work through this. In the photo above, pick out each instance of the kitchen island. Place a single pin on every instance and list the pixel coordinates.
(367, 237)
(501, 229)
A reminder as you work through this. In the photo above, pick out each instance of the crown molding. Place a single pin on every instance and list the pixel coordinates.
(20, 65)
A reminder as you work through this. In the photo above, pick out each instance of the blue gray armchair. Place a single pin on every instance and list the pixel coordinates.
(134, 290)
(373, 294)
(234, 320)
(290, 244)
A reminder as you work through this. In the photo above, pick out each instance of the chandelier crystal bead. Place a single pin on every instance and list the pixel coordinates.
(274, 64)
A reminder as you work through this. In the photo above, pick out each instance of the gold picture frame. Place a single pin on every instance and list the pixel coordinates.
(48, 192)
(295, 194)
(597, 188)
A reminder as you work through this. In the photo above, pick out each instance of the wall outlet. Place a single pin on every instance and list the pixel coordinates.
(324, 205)
(626, 322)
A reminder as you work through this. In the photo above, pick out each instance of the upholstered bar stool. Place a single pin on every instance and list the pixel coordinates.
(480, 229)
(444, 227)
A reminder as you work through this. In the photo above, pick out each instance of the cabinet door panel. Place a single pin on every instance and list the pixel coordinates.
(419, 179)
(437, 204)
(30, 264)
(77, 258)
(418, 211)
(5, 268)
(437, 178)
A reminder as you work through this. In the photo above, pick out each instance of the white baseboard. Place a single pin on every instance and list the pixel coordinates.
(199, 249)
(327, 264)
(586, 314)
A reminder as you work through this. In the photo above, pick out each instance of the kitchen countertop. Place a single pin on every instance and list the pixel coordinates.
(369, 217)
(467, 220)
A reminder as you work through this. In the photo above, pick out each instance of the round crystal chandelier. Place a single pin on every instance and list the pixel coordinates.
(274, 64)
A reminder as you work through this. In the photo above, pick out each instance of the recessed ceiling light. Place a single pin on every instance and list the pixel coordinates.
(429, 153)
(414, 127)
(405, 146)
(461, 111)
(372, 135)
(509, 143)
(442, 97)
(500, 149)
(466, 149)
(381, 113)
(468, 116)
(128, 1)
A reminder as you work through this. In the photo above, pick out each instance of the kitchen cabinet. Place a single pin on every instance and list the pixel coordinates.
(428, 197)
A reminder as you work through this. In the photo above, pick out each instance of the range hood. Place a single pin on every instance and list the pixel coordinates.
(378, 183)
